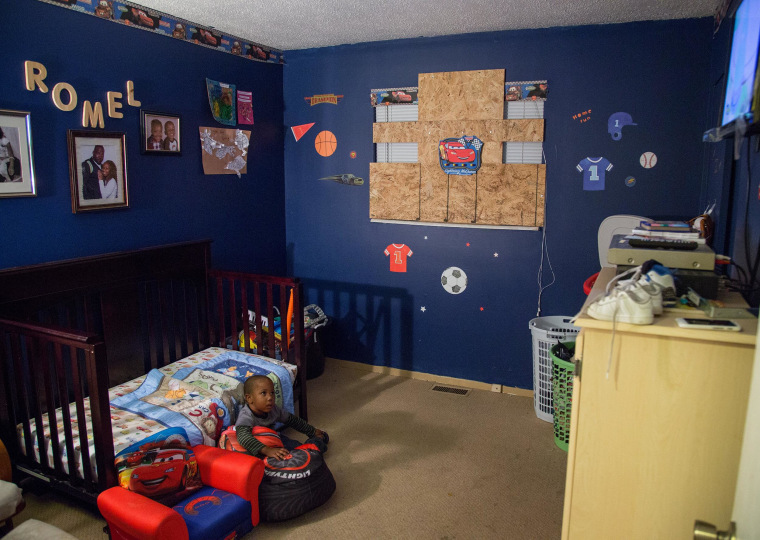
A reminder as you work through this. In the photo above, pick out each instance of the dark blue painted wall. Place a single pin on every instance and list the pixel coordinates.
(171, 199)
(656, 71)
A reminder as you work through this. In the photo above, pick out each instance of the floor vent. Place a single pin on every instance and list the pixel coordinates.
(450, 390)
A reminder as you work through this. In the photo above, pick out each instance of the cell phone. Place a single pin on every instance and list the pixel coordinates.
(708, 324)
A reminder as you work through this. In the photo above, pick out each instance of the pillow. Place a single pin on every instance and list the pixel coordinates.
(162, 467)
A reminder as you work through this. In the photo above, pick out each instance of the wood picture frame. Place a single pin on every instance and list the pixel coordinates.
(97, 170)
(17, 177)
(167, 141)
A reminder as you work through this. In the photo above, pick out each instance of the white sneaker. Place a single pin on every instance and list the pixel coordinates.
(663, 278)
(644, 287)
(628, 304)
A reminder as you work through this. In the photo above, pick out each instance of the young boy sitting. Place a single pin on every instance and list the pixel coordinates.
(260, 410)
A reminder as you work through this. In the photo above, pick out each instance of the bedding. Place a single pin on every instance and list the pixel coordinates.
(198, 393)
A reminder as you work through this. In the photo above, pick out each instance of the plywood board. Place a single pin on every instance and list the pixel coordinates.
(433, 193)
(462, 191)
(395, 132)
(541, 196)
(523, 130)
(461, 95)
(394, 191)
(507, 194)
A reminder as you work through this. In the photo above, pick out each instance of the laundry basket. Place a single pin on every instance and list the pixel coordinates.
(563, 372)
(546, 331)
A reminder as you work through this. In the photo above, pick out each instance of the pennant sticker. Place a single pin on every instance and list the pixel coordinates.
(300, 131)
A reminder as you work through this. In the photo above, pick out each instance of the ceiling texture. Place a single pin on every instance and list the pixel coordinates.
(299, 24)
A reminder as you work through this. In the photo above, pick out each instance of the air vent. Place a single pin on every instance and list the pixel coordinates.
(450, 390)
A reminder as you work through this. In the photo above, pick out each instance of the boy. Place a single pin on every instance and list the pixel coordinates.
(155, 141)
(170, 143)
(260, 410)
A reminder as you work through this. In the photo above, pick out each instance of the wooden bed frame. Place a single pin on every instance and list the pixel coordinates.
(72, 329)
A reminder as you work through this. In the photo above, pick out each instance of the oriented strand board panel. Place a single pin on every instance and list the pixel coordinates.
(508, 194)
(461, 95)
(541, 196)
(394, 191)
(395, 132)
(433, 194)
(462, 198)
(520, 130)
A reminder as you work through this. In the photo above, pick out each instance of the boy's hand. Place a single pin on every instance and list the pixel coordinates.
(277, 453)
(321, 434)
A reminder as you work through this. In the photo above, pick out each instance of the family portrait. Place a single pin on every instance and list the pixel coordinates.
(16, 173)
(97, 167)
(161, 133)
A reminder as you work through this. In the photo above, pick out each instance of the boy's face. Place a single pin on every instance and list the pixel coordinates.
(156, 131)
(261, 400)
(169, 131)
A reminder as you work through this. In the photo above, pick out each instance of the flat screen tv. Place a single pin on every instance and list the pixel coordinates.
(742, 64)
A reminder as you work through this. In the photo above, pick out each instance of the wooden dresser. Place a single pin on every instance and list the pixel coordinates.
(655, 443)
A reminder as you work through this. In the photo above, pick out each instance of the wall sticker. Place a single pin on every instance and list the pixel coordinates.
(325, 143)
(594, 170)
(398, 254)
(616, 122)
(300, 131)
(648, 160)
(347, 179)
(454, 280)
(460, 155)
(316, 99)
(583, 116)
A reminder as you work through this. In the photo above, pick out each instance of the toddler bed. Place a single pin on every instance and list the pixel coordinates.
(70, 330)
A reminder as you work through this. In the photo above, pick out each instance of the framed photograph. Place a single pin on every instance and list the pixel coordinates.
(160, 133)
(98, 170)
(16, 164)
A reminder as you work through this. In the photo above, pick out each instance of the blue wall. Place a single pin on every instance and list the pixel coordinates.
(171, 199)
(656, 71)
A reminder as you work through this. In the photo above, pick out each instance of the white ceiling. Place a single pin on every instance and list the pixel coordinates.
(298, 24)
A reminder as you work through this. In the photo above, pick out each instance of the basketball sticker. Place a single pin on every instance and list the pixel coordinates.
(325, 143)
(648, 160)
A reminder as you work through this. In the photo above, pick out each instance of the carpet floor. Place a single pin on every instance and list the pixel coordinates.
(409, 462)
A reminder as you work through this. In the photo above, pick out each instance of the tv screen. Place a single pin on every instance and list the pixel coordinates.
(742, 64)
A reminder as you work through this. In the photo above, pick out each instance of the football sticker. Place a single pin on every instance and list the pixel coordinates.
(648, 160)
(454, 280)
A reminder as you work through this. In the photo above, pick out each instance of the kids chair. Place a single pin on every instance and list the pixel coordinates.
(11, 501)
(228, 503)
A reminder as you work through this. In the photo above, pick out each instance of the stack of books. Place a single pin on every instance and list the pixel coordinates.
(668, 230)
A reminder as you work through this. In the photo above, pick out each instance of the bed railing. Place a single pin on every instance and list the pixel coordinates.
(235, 306)
(46, 368)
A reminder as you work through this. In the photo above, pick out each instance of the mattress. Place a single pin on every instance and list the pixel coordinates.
(132, 421)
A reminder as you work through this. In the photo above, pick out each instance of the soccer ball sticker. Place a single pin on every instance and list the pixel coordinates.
(454, 280)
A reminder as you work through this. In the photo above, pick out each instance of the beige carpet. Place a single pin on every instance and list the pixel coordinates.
(409, 462)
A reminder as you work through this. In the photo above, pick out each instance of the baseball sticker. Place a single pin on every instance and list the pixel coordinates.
(648, 160)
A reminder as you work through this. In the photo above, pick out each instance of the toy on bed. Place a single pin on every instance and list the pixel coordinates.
(181, 492)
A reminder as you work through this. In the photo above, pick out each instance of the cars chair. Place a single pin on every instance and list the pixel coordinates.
(227, 503)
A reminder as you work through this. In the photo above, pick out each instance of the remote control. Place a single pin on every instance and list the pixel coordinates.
(653, 243)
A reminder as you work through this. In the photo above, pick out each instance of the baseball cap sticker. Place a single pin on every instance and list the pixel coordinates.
(616, 122)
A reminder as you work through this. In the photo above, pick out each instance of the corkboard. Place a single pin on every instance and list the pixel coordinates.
(394, 190)
(461, 95)
(523, 130)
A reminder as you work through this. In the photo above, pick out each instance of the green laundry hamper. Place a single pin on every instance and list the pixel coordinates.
(563, 372)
